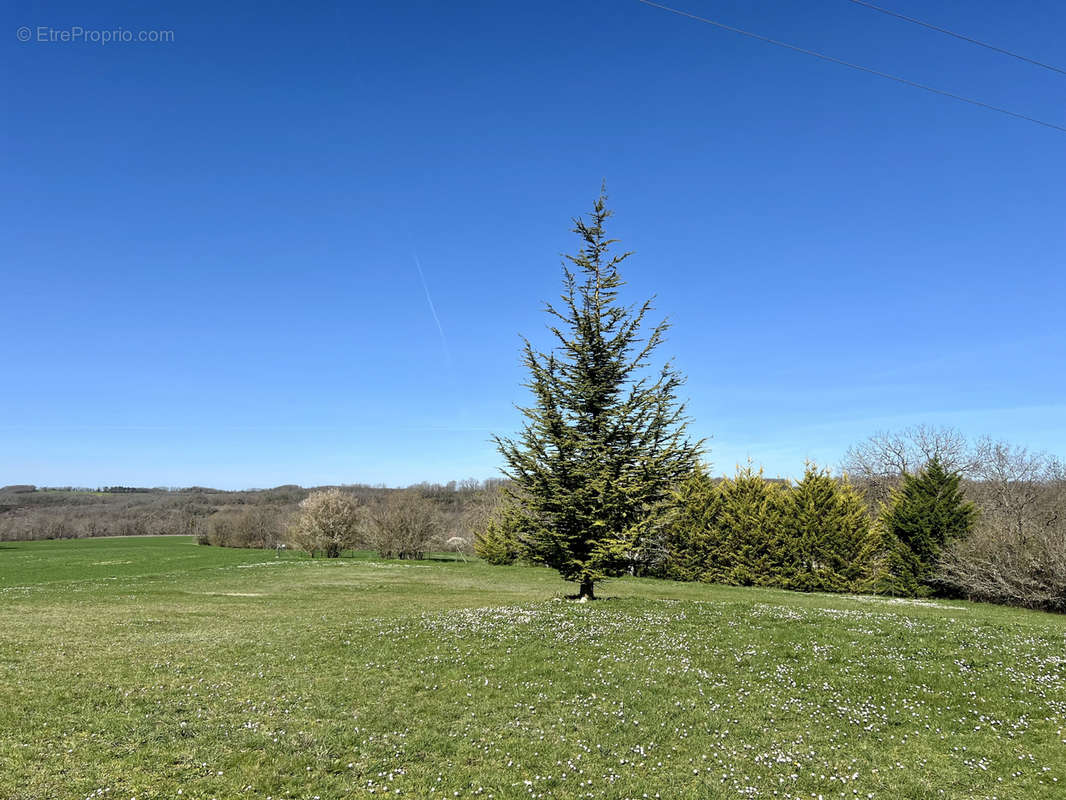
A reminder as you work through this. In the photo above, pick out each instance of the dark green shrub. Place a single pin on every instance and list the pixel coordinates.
(927, 511)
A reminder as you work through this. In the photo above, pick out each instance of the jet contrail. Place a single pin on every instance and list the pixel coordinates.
(432, 308)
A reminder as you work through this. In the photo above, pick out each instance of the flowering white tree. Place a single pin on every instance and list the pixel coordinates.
(328, 522)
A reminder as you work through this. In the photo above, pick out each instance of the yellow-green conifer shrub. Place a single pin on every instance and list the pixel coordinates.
(499, 542)
(690, 542)
(747, 549)
(825, 526)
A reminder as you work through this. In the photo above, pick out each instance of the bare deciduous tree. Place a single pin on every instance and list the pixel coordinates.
(877, 464)
(402, 524)
(1016, 487)
(1018, 552)
(997, 566)
(250, 526)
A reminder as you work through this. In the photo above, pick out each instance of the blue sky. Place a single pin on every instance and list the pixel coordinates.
(209, 245)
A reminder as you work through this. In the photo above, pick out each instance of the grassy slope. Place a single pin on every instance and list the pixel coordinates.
(156, 668)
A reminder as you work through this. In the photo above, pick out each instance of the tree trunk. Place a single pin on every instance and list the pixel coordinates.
(586, 590)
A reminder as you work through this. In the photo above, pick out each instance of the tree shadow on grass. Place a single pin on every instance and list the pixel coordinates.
(577, 598)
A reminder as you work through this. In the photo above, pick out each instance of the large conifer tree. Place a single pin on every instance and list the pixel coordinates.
(604, 442)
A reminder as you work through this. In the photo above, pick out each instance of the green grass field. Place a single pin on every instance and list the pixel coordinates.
(154, 668)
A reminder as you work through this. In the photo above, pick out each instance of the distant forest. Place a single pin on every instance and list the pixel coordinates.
(250, 518)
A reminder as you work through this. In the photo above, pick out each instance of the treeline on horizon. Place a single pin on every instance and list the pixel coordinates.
(247, 518)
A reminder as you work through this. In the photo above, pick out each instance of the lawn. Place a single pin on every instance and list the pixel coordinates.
(156, 668)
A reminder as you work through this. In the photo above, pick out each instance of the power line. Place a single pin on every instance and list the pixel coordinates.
(859, 67)
(964, 38)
